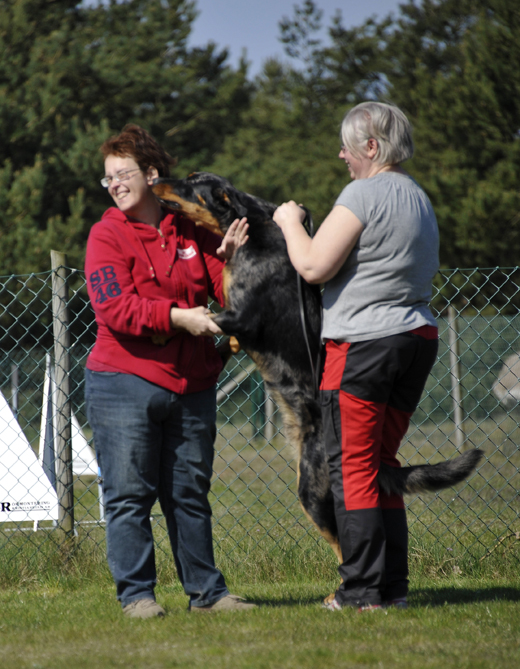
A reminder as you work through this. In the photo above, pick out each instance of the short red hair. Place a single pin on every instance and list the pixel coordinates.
(135, 142)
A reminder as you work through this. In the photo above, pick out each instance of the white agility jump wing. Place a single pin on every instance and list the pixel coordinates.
(83, 458)
(25, 491)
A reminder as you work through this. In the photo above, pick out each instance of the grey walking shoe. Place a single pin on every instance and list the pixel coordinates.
(227, 603)
(143, 608)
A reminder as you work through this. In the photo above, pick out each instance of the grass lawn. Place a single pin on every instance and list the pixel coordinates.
(73, 622)
(58, 608)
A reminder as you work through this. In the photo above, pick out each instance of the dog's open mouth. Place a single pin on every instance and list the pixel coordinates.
(171, 204)
(195, 208)
(164, 194)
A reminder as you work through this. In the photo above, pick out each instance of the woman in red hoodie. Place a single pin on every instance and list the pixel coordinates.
(151, 376)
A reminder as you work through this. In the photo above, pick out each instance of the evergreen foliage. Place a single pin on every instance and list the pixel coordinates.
(452, 66)
(71, 75)
(459, 78)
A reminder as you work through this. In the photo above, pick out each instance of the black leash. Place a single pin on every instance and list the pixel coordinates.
(315, 366)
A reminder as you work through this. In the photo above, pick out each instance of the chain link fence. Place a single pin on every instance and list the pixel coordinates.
(472, 400)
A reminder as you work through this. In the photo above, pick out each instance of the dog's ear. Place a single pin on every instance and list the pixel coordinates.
(230, 202)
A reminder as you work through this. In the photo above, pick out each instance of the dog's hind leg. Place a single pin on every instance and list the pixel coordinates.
(301, 421)
(320, 511)
(315, 493)
(330, 538)
(317, 502)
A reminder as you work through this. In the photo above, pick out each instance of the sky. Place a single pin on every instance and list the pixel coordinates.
(253, 24)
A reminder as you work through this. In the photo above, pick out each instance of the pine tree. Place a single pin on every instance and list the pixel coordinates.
(455, 68)
(70, 76)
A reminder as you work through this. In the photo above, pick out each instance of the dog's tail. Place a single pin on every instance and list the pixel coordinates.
(422, 478)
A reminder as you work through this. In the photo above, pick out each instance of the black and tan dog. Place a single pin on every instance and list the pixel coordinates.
(263, 313)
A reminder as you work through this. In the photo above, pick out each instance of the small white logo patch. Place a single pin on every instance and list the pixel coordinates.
(186, 254)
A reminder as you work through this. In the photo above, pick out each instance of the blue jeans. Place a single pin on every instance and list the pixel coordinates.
(152, 444)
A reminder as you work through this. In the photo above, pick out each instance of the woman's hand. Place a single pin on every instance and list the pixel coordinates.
(235, 237)
(197, 321)
(318, 259)
(288, 212)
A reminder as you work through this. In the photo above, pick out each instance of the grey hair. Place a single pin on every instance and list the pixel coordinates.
(386, 124)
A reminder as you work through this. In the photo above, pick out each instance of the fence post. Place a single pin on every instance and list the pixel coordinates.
(14, 388)
(60, 318)
(460, 437)
(270, 409)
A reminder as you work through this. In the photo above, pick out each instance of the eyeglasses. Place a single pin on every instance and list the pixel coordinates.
(124, 175)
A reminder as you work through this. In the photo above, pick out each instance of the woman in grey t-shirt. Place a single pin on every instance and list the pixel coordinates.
(376, 254)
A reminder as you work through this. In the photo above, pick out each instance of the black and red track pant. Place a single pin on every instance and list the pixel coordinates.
(369, 391)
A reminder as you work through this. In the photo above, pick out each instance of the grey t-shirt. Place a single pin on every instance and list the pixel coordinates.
(385, 285)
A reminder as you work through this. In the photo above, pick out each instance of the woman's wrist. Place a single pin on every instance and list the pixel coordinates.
(177, 318)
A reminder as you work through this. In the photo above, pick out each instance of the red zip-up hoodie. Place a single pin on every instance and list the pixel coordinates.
(135, 274)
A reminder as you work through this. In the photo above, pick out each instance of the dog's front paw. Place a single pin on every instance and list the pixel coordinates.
(228, 322)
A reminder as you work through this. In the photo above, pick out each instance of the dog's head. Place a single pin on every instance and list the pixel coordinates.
(211, 201)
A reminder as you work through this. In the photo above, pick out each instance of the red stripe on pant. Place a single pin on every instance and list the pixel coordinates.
(335, 359)
(370, 432)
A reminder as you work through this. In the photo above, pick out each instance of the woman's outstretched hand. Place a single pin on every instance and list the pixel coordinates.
(235, 237)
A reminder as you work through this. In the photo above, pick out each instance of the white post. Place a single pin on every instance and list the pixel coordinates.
(460, 437)
(270, 410)
(14, 388)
